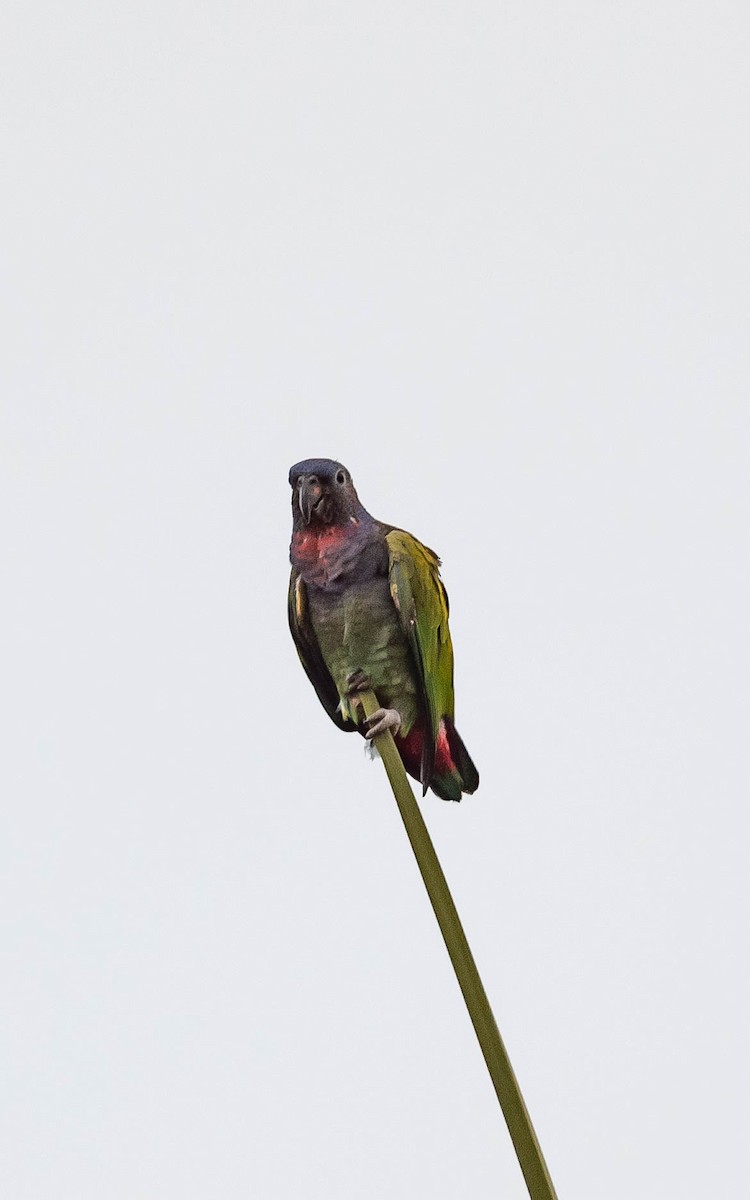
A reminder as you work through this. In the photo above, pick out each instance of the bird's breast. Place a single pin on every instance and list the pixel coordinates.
(359, 629)
(331, 556)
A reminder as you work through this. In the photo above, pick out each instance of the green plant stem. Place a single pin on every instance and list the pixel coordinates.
(514, 1110)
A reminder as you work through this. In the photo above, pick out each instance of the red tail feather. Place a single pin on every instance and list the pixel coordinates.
(410, 749)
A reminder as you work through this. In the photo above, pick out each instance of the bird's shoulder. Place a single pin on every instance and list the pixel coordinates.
(404, 546)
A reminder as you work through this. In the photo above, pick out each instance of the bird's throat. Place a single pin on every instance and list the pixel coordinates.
(313, 544)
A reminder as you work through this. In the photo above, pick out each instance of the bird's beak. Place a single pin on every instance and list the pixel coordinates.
(310, 492)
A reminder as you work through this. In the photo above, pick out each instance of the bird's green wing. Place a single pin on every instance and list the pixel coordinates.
(310, 654)
(422, 603)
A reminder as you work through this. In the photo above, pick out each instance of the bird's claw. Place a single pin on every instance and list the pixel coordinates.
(357, 681)
(380, 721)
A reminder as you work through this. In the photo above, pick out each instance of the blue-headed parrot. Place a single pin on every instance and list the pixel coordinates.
(367, 609)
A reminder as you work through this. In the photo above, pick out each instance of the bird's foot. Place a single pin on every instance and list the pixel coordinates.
(380, 721)
(357, 681)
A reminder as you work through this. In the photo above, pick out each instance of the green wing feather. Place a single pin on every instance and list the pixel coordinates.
(422, 603)
(310, 654)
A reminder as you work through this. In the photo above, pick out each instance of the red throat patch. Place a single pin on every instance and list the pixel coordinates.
(310, 545)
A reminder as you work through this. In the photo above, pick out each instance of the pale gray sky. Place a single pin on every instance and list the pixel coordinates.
(494, 257)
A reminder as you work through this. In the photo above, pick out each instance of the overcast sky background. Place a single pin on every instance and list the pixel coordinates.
(494, 257)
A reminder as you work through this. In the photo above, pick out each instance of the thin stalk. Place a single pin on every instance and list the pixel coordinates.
(528, 1150)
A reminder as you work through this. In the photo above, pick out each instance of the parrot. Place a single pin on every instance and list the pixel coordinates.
(368, 610)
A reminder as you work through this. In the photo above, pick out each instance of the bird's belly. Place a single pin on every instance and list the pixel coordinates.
(360, 630)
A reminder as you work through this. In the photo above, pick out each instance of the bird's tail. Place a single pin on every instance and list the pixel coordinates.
(453, 771)
(458, 774)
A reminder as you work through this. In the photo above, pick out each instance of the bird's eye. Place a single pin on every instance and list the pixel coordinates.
(340, 478)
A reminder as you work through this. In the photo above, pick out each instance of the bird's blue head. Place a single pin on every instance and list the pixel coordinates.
(323, 494)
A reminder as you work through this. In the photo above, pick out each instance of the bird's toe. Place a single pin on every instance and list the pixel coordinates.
(357, 681)
(380, 721)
